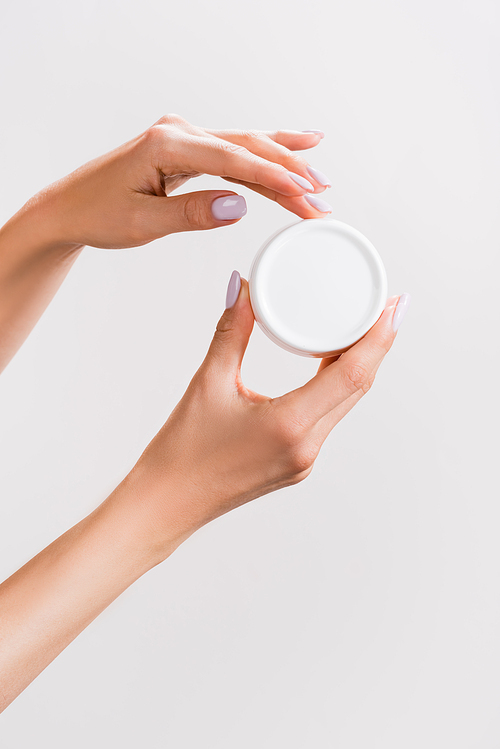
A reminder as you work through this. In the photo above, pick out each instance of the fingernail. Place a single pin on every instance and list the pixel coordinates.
(316, 132)
(229, 207)
(403, 304)
(233, 289)
(301, 181)
(319, 176)
(320, 205)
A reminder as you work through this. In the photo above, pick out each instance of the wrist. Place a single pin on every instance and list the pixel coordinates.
(146, 518)
(36, 230)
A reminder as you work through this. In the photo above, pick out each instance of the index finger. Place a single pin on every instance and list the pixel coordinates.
(194, 154)
(352, 373)
(326, 362)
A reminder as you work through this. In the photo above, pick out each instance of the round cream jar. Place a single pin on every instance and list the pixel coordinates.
(317, 286)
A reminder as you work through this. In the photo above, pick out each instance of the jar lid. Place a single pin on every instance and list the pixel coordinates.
(317, 286)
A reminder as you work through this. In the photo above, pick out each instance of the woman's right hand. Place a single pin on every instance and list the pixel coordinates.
(224, 445)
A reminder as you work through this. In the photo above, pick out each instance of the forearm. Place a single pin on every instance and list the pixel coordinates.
(52, 598)
(34, 260)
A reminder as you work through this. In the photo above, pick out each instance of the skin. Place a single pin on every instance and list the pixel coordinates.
(223, 445)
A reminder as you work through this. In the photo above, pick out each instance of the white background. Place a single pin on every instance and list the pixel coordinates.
(360, 608)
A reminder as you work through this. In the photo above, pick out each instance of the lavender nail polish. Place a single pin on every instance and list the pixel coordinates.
(401, 309)
(320, 205)
(301, 181)
(233, 289)
(229, 207)
(319, 176)
(316, 132)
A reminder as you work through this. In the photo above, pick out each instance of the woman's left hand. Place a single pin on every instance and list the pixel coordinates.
(122, 199)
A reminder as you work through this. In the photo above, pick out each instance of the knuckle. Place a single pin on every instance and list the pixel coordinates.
(252, 136)
(296, 478)
(171, 119)
(357, 378)
(294, 443)
(300, 459)
(195, 215)
(224, 326)
(234, 149)
(155, 134)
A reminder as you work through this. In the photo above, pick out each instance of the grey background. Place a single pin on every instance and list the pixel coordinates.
(360, 608)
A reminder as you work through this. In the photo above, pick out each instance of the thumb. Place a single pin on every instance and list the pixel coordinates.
(233, 329)
(206, 209)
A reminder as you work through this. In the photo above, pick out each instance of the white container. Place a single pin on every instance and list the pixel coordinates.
(317, 286)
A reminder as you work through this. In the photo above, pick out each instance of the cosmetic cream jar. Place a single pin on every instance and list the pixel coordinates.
(317, 286)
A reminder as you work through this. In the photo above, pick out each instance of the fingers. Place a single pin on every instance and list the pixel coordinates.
(325, 425)
(296, 141)
(218, 157)
(181, 151)
(326, 362)
(263, 161)
(272, 147)
(350, 376)
(302, 206)
(291, 139)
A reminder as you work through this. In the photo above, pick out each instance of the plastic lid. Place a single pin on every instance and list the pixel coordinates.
(317, 287)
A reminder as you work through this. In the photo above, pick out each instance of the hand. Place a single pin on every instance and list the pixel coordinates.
(225, 445)
(222, 446)
(122, 199)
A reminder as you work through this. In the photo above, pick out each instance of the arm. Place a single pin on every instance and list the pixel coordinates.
(33, 264)
(122, 199)
(222, 446)
(53, 597)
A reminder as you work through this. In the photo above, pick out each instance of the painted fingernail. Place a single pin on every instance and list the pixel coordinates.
(320, 205)
(316, 132)
(402, 306)
(301, 181)
(229, 207)
(319, 176)
(233, 289)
